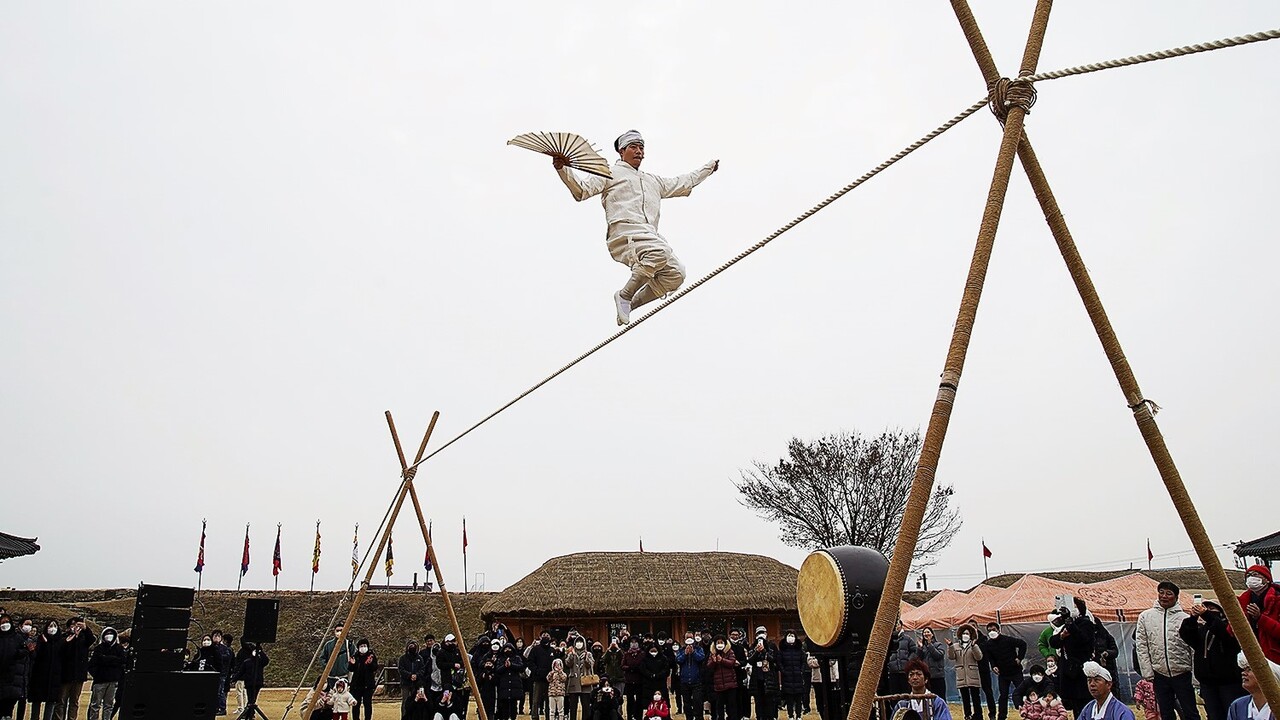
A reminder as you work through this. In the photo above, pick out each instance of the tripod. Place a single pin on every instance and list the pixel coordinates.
(250, 711)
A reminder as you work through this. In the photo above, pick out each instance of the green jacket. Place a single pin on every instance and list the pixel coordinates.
(341, 666)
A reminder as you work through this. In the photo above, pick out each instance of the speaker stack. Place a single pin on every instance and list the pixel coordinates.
(155, 687)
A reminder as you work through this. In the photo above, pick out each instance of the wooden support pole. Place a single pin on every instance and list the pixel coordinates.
(406, 482)
(431, 553)
(935, 434)
(1143, 414)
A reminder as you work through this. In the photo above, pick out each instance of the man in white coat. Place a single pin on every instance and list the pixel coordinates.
(632, 205)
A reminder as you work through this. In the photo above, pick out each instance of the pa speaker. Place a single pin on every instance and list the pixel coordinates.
(261, 616)
(149, 639)
(166, 596)
(169, 695)
(151, 616)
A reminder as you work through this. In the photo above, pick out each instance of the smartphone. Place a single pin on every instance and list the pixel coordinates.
(1197, 599)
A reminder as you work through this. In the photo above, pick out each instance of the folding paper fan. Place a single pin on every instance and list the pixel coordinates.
(579, 152)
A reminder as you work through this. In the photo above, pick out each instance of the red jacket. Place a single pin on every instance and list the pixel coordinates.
(658, 709)
(724, 670)
(1268, 625)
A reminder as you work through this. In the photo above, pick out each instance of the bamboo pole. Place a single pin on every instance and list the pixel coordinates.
(1142, 411)
(435, 563)
(405, 483)
(935, 434)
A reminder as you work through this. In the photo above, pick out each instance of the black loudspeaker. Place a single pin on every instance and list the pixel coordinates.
(146, 639)
(145, 661)
(166, 596)
(155, 617)
(261, 616)
(169, 696)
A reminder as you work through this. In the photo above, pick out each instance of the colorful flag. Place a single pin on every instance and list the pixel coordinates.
(275, 556)
(986, 551)
(426, 560)
(355, 553)
(464, 536)
(200, 557)
(1150, 557)
(315, 554)
(244, 558)
(391, 561)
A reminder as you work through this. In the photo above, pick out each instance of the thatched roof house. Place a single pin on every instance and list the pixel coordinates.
(649, 592)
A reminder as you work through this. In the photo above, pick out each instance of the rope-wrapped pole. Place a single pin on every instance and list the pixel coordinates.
(1143, 414)
(431, 553)
(935, 434)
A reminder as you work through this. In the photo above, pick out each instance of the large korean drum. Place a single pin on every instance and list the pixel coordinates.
(837, 594)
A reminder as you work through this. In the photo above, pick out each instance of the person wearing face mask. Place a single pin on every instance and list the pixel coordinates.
(364, 678)
(1213, 661)
(793, 664)
(251, 672)
(934, 654)
(1261, 604)
(222, 644)
(206, 658)
(578, 663)
(1035, 682)
(509, 671)
(610, 666)
(106, 665)
(689, 662)
(675, 698)
(540, 657)
(738, 644)
(410, 670)
(632, 659)
(1005, 653)
(46, 672)
(1057, 620)
(75, 667)
(658, 709)
(527, 681)
(654, 671)
(14, 655)
(724, 680)
(966, 655)
(766, 683)
(485, 662)
(342, 654)
(606, 702)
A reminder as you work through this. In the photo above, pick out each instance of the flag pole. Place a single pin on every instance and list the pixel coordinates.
(275, 570)
(985, 574)
(246, 542)
(464, 555)
(315, 560)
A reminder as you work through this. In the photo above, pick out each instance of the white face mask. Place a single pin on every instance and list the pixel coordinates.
(653, 653)
(964, 638)
(1037, 677)
(657, 698)
(53, 631)
(363, 648)
(1051, 667)
(207, 643)
(719, 646)
(1255, 583)
(993, 634)
(578, 645)
(791, 638)
(697, 638)
(688, 641)
(6, 627)
(27, 629)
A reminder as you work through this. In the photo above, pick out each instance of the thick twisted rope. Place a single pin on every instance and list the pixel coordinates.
(1153, 56)
(1003, 95)
(740, 256)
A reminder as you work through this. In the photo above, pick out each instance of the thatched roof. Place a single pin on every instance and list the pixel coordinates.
(631, 584)
(1189, 578)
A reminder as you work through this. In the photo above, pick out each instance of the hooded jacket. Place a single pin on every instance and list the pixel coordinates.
(509, 670)
(1160, 648)
(902, 650)
(794, 663)
(632, 201)
(251, 669)
(1267, 626)
(15, 664)
(966, 658)
(1214, 649)
(724, 670)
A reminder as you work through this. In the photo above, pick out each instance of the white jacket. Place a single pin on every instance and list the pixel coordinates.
(632, 200)
(1160, 648)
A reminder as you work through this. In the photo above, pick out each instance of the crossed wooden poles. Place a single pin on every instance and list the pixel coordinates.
(1016, 142)
(406, 490)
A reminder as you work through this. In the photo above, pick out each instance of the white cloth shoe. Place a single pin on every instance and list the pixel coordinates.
(624, 308)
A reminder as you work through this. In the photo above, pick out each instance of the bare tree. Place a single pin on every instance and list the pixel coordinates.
(845, 489)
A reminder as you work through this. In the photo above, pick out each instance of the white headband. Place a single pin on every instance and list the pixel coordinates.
(626, 139)
(1244, 665)
(1093, 669)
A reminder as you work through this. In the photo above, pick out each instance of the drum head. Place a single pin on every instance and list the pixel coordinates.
(821, 600)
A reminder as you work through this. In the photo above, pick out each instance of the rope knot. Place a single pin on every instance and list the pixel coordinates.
(1006, 93)
(1151, 406)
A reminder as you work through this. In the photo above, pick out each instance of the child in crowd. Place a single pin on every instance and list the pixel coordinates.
(658, 709)
(1032, 708)
(341, 700)
(1053, 707)
(556, 680)
(1144, 695)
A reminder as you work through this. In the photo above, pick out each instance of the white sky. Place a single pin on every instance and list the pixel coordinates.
(232, 234)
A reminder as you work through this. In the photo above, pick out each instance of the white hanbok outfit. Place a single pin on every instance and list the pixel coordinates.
(632, 201)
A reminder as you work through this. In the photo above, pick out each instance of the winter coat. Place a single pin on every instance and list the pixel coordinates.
(556, 680)
(1031, 710)
(1029, 685)
(632, 202)
(654, 670)
(902, 650)
(15, 665)
(342, 701)
(1267, 626)
(577, 664)
(228, 658)
(364, 672)
(510, 676)
(1214, 650)
(411, 670)
(1076, 646)
(631, 661)
(611, 665)
(342, 665)
(449, 660)
(690, 659)
(606, 706)
(1005, 653)
(1054, 711)
(206, 659)
(793, 661)
(658, 709)
(250, 670)
(46, 669)
(724, 674)
(933, 654)
(965, 658)
(764, 669)
(1160, 648)
(1042, 644)
(75, 657)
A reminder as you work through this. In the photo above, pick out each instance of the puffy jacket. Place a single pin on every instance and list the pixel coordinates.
(690, 659)
(654, 670)
(631, 660)
(577, 664)
(965, 658)
(15, 665)
(510, 676)
(764, 669)
(934, 654)
(106, 663)
(611, 665)
(632, 200)
(411, 670)
(794, 663)
(902, 650)
(1160, 648)
(1267, 626)
(724, 666)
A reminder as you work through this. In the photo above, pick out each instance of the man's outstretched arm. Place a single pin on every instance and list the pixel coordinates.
(684, 184)
(580, 187)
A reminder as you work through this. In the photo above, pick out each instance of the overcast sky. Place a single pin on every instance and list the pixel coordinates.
(233, 234)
